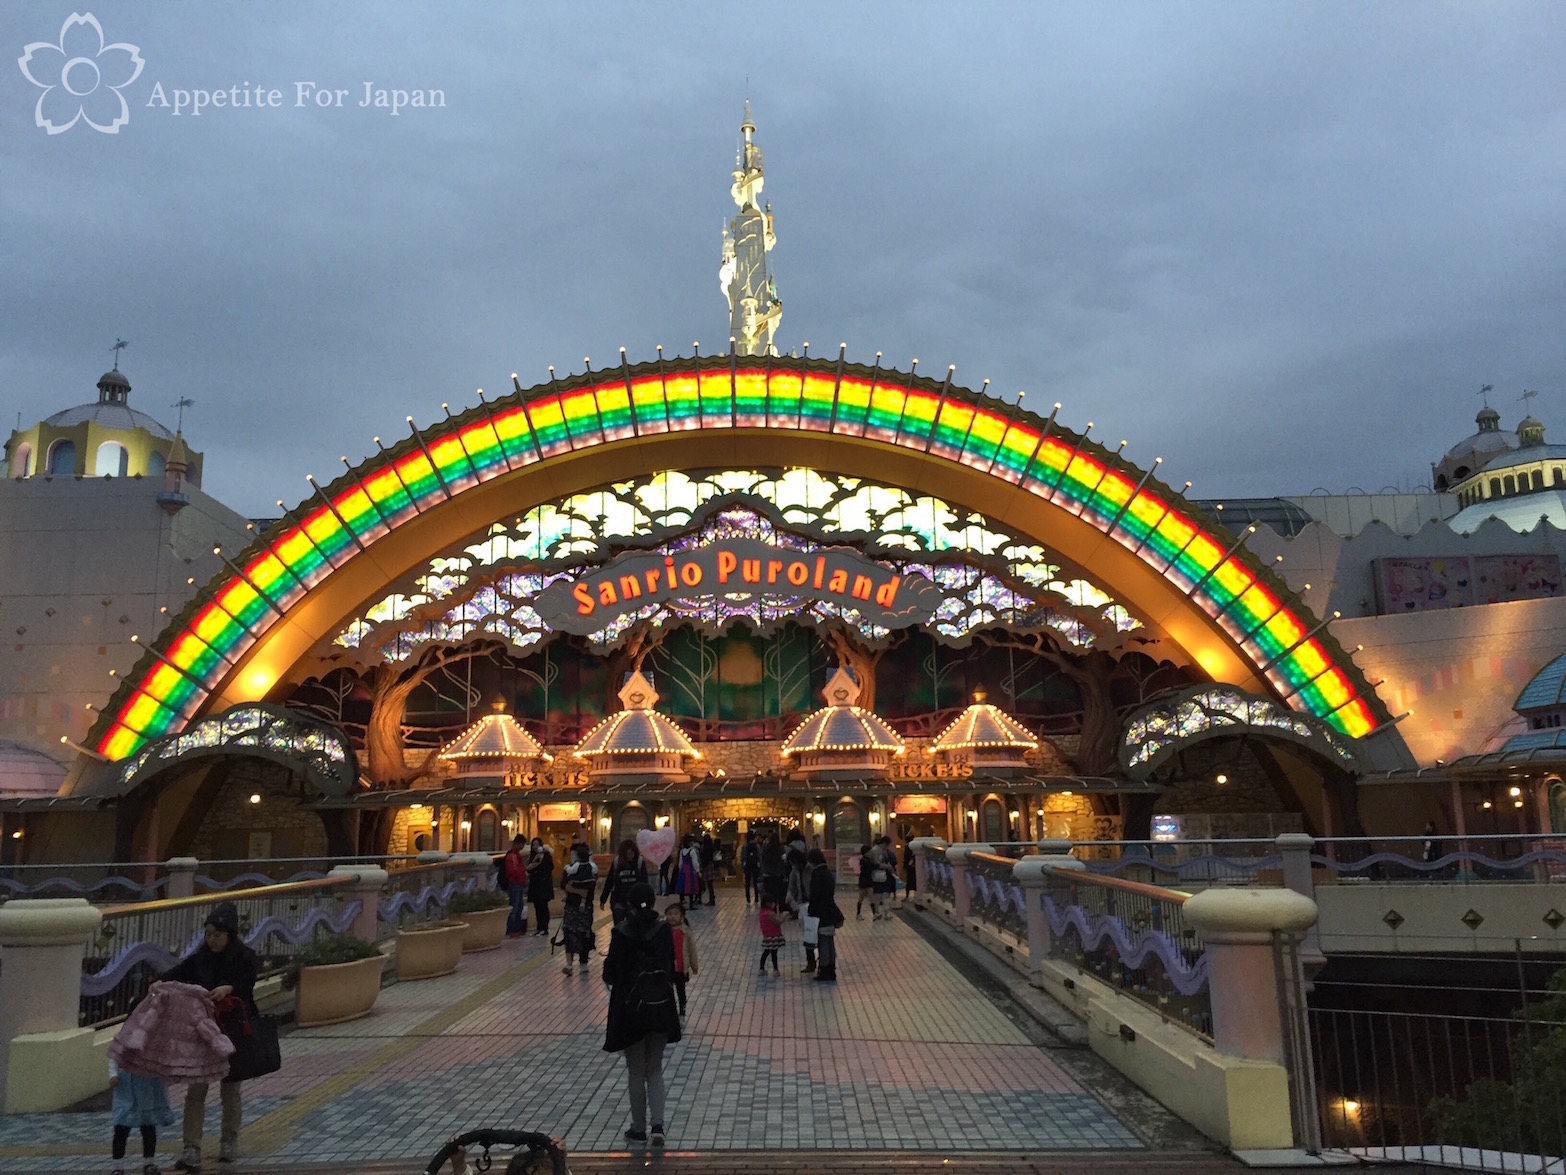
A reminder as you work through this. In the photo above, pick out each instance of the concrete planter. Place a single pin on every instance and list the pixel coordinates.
(432, 949)
(486, 929)
(339, 992)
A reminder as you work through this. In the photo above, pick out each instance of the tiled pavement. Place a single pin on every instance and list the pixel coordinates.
(903, 1054)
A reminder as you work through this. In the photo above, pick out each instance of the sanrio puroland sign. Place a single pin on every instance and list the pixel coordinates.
(735, 569)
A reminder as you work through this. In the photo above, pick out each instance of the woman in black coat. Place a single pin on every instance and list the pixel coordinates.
(541, 882)
(643, 1014)
(225, 966)
(823, 905)
(627, 872)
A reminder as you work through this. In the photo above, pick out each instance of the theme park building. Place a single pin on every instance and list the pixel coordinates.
(616, 601)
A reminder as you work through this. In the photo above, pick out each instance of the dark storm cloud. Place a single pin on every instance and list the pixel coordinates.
(1279, 245)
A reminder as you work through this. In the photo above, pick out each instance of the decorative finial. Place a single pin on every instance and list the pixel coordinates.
(119, 345)
(182, 403)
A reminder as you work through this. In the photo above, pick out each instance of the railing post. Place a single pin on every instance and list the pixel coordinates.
(1237, 928)
(47, 1062)
(921, 846)
(1032, 874)
(436, 857)
(1294, 848)
(182, 877)
(366, 889)
(957, 857)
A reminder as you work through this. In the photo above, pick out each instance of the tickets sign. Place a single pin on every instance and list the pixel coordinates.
(739, 568)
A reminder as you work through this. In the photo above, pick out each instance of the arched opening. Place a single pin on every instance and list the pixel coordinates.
(22, 461)
(487, 839)
(1495, 487)
(1538, 479)
(849, 829)
(992, 820)
(1557, 806)
(157, 466)
(62, 458)
(113, 460)
(633, 819)
(1511, 485)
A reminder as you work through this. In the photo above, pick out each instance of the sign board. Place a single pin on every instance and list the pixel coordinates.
(928, 770)
(737, 568)
(919, 805)
(548, 812)
(1425, 584)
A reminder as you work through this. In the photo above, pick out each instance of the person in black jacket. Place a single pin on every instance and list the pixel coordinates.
(225, 966)
(626, 872)
(643, 1017)
(823, 905)
(540, 883)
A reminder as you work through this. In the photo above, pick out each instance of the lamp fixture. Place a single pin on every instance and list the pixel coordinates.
(1223, 778)
(255, 797)
(1515, 792)
(466, 824)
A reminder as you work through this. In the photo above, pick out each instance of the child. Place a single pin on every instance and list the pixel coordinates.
(771, 934)
(142, 1102)
(684, 950)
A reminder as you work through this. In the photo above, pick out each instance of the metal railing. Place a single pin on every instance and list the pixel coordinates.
(95, 881)
(240, 872)
(1133, 937)
(137, 942)
(1481, 1093)
(993, 897)
(421, 893)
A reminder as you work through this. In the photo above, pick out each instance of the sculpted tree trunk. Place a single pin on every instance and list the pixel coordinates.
(1093, 672)
(627, 657)
(852, 654)
(390, 688)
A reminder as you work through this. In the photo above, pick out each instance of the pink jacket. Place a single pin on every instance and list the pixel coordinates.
(172, 1034)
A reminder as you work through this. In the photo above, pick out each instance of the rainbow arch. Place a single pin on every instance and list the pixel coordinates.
(204, 649)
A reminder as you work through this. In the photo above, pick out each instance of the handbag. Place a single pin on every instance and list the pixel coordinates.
(810, 926)
(878, 876)
(256, 1048)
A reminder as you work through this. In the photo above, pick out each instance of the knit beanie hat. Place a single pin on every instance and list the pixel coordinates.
(225, 917)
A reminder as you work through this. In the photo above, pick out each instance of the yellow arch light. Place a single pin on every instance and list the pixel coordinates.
(304, 577)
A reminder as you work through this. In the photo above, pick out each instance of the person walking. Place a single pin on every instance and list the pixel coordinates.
(774, 866)
(750, 866)
(709, 867)
(687, 877)
(540, 883)
(225, 966)
(910, 867)
(685, 962)
(576, 921)
(514, 867)
(797, 901)
(644, 1016)
(883, 877)
(628, 870)
(823, 905)
(866, 884)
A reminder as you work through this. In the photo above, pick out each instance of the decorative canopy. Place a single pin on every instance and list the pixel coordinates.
(841, 736)
(985, 735)
(1547, 690)
(492, 741)
(637, 740)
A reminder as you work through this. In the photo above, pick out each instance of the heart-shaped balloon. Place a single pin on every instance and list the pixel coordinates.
(655, 844)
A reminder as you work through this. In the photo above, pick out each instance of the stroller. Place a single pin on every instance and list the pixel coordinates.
(536, 1154)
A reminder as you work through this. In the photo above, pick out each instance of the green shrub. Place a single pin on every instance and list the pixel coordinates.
(326, 952)
(479, 899)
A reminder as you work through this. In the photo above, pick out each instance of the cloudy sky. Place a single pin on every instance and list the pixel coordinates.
(1280, 245)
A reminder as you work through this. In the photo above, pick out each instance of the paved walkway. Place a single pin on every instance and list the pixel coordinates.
(903, 1054)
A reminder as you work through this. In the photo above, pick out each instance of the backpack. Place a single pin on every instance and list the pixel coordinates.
(652, 990)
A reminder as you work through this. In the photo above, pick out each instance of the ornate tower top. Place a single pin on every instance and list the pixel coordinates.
(754, 307)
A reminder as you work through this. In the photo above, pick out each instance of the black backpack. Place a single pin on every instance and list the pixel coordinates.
(652, 990)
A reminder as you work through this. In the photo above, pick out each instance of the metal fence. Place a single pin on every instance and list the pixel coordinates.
(138, 942)
(1484, 1093)
(938, 874)
(993, 897)
(420, 893)
(95, 881)
(1133, 937)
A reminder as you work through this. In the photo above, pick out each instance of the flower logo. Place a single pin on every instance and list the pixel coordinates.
(81, 77)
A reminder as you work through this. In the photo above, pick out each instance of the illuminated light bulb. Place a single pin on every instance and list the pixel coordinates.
(255, 797)
(1223, 779)
(1350, 1105)
(1515, 792)
(1486, 805)
(466, 825)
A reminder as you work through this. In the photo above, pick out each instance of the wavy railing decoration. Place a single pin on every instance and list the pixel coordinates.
(1503, 865)
(1280, 638)
(136, 954)
(1207, 865)
(1187, 978)
(20, 889)
(939, 874)
(212, 884)
(1000, 894)
(398, 904)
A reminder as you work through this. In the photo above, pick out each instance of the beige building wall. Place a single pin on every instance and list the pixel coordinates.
(84, 564)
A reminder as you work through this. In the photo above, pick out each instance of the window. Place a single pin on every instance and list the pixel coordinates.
(62, 458)
(113, 460)
(1495, 487)
(156, 465)
(488, 830)
(1511, 484)
(1558, 479)
(1538, 479)
(992, 821)
(21, 461)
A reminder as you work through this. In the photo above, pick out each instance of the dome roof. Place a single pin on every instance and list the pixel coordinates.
(841, 725)
(1521, 512)
(984, 725)
(27, 774)
(1546, 690)
(1465, 457)
(638, 729)
(494, 736)
(107, 415)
